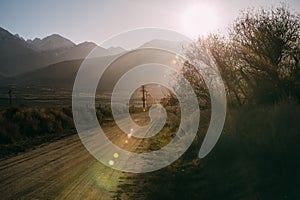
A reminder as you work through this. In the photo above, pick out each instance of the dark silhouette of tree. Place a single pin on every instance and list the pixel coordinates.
(266, 45)
(259, 60)
(222, 54)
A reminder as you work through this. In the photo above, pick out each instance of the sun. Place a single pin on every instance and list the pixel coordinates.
(199, 20)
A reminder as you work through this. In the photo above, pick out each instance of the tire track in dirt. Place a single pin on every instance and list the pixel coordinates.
(61, 170)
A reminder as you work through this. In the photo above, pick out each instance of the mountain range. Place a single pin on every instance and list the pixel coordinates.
(53, 61)
(18, 56)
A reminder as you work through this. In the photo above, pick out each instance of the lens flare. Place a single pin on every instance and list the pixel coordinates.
(111, 162)
(149, 65)
(116, 155)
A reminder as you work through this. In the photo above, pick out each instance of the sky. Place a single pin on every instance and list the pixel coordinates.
(97, 20)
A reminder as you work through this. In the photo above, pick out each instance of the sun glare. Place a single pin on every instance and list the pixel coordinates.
(199, 19)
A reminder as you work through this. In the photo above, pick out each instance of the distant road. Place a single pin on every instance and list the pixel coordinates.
(60, 170)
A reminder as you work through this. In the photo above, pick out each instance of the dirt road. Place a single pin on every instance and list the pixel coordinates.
(60, 170)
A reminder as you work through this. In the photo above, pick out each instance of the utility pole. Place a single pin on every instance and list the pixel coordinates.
(10, 96)
(144, 97)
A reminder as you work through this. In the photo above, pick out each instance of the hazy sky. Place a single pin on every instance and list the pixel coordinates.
(97, 20)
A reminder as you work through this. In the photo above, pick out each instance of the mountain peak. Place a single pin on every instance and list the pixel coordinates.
(4, 34)
(115, 50)
(52, 42)
(55, 36)
(91, 44)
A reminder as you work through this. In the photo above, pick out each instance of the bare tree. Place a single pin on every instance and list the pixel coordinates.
(258, 60)
(266, 46)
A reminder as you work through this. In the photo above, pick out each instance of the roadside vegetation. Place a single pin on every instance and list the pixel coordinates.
(257, 156)
(23, 128)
